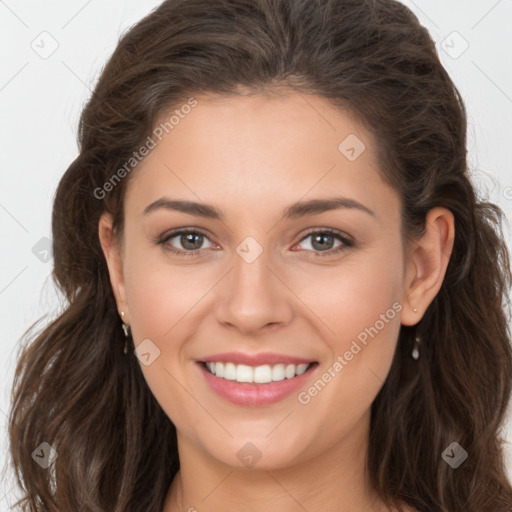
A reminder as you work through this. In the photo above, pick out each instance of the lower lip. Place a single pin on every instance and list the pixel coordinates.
(255, 394)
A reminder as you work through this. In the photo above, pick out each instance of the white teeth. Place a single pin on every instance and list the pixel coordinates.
(278, 372)
(289, 371)
(301, 368)
(259, 374)
(244, 373)
(229, 371)
(262, 374)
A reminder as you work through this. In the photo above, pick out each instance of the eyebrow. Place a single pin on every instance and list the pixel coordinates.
(294, 211)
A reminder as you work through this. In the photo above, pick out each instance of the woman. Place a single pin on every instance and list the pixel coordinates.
(282, 291)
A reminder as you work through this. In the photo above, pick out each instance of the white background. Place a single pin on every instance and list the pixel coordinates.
(41, 99)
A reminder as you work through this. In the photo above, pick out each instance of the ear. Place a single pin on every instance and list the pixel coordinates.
(427, 260)
(113, 256)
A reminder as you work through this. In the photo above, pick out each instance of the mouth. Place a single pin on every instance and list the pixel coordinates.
(262, 374)
(256, 384)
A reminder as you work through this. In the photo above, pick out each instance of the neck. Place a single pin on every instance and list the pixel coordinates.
(334, 480)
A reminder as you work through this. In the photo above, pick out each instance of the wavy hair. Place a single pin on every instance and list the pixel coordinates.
(76, 390)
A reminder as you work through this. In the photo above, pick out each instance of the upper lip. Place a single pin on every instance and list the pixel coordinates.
(260, 359)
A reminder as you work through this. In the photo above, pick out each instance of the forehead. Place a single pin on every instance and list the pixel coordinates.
(260, 149)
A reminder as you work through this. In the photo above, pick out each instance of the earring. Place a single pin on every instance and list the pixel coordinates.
(126, 333)
(415, 310)
(415, 351)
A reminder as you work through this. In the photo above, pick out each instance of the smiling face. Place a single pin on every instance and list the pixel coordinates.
(262, 280)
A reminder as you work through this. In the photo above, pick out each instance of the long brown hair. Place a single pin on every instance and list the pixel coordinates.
(75, 389)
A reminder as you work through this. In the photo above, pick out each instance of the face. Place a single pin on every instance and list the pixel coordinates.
(294, 273)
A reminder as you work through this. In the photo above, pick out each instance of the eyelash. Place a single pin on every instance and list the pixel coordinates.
(346, 242)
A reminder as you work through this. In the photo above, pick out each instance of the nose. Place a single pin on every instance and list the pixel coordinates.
(253, 297)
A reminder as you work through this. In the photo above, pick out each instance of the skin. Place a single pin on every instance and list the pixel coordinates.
(251, 157)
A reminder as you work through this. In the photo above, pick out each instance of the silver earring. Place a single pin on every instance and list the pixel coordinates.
(126, 333)
(415, 351)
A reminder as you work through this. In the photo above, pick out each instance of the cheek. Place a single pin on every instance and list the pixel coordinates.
(365, 316)
(161, 302)
(159, 295)
(359, 308)
(353, 295)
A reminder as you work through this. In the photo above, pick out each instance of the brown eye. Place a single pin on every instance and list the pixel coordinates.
(323, 241)
(188, 242)
(191, 241)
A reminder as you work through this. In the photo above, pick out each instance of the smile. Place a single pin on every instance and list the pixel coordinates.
(258, 375)
(256, 380)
